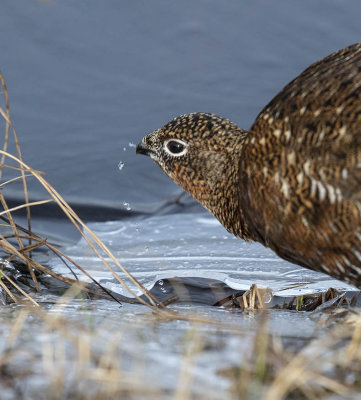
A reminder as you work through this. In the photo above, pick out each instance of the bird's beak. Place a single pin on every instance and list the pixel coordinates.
(143, 149)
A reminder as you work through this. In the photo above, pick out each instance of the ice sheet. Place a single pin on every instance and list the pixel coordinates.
(191, 245)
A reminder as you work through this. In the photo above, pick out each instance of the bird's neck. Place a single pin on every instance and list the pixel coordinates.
(221, 191)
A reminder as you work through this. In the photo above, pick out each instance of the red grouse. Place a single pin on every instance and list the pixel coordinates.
(292, 181)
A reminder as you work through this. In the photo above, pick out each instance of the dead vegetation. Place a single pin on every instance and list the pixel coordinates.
(27, 241)
(328, 366)
(262, 298)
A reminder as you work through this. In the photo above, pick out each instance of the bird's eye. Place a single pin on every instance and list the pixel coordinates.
(175, 147)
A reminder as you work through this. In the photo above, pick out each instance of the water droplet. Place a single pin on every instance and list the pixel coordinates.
(267, 297)
(132, 145)
(146, 248)
(121, 165)
(127, 206)
(160, 282)
(124, 149)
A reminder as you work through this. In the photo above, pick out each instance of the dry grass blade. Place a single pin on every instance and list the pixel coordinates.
(183, 389)
(21, 245)
(13, 179)
(6, 116)
(13, 167)
(354, 348)
(27, 249)
(17, 327)
(7, 119)
(19, 289)
(34, 203)
(2, 284)
(299, 373)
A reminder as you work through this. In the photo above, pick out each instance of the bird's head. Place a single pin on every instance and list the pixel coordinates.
(199, 152)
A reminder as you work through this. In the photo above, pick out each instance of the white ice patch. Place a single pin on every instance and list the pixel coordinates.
(189, 245)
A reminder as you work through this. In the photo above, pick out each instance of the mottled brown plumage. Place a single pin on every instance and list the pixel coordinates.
(292, 182)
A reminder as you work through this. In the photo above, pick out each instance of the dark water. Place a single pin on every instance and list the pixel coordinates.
(88, 79)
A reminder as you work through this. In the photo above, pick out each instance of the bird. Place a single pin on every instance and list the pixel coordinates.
(292, 180)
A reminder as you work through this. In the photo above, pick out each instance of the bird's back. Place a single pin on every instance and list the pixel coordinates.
(302, 168)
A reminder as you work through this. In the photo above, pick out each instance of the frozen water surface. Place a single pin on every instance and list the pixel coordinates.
(191, 245)
(152, 350)
(159, 354)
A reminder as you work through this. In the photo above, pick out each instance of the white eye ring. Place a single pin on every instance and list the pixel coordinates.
(179, 147)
